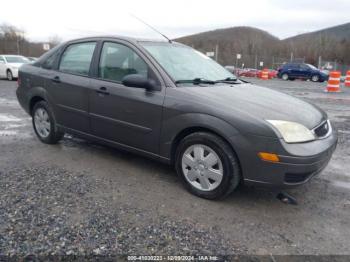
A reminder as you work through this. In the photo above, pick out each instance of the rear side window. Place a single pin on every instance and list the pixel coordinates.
(292, 66)
(76, 59)
(118, 61)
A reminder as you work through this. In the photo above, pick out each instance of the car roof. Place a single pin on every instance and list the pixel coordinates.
(133, 40)
(118, 37)
(125, 38)
(294, 63)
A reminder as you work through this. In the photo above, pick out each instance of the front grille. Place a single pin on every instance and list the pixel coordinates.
(296, 178)
(322, 130)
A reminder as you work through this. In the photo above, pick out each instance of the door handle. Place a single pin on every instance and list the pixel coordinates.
(102, 91)
(56, 79)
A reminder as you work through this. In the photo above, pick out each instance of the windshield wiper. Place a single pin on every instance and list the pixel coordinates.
(230, 80)
(196, 81)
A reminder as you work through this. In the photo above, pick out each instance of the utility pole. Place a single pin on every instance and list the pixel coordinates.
(256, 62)
(319, 62)
(17, 44)
(216, 52)
(19, 36)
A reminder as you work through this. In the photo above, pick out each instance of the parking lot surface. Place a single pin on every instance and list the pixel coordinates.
(83, 198)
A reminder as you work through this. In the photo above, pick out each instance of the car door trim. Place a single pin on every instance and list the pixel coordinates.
(142, 129)
(72, 109)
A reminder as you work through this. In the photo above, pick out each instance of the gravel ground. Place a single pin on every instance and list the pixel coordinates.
(79, 198)
(50, 211)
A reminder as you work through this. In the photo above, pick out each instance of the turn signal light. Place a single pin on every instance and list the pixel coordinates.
(269, 157)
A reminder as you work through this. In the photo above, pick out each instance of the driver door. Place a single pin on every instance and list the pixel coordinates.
(125, 115)
(305, 71)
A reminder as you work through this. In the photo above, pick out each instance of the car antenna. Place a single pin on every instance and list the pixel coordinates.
(140, 20)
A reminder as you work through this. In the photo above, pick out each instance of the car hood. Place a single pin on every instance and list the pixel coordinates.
(256, 102)
(17, 65)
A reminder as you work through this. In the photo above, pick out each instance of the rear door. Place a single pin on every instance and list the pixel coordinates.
(293, 70)
(125, 115)
(68, 86)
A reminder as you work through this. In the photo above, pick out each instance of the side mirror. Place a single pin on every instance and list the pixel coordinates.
(2, 62)
(139, 81)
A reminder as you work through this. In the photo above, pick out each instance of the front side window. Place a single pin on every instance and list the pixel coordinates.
(184, 63)
(118, 61)
(49, 61)
(2, 59)
(76, 59)
(304, 67)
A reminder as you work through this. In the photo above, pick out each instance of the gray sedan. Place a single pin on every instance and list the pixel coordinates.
(169, 102)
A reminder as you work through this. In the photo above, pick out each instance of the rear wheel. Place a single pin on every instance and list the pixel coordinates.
(44, 124)
(285, 77)
(207, 166)
(9, 75)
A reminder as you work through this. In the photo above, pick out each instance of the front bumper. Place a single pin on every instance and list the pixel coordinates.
(324, 77)
(298, 162)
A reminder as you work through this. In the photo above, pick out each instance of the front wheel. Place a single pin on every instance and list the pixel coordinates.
(44, 124)
(9, 75)
(207, 166)
(315, 78)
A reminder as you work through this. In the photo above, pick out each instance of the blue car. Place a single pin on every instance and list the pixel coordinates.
(291, 71)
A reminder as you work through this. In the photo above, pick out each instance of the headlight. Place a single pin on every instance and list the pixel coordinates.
(292, 132)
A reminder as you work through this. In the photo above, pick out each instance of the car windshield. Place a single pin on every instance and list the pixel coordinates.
(184, 64)
(16, 59)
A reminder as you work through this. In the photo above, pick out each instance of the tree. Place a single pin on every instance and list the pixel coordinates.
(55, 40)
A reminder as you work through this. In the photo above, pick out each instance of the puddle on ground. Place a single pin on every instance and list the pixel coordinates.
(4, 101)
(9, 118)
(13, 126)
(341, 184)
(10, 126)
(344, 132)
(8, 133)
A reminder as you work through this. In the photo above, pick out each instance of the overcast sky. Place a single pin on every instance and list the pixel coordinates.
(75, 18)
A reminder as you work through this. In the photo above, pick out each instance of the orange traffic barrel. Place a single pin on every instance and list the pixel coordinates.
(265, 74)
(333, 84)
(347, 79)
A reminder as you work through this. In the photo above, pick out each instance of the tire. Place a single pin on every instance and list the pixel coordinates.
(44, 124)
(315, 78)
(291, 79)
(193, 171)
(9, 75)
(285, 77)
